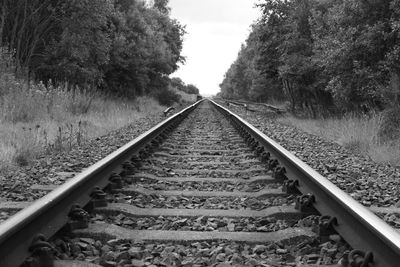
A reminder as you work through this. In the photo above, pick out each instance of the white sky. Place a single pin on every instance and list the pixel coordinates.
(215, 31)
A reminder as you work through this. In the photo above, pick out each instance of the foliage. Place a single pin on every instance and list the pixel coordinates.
(389, 128)
(181, 86)
(83, 44)
(167, 97)
(35, 118)
(360, 134)
(125, 47)
(321, 55)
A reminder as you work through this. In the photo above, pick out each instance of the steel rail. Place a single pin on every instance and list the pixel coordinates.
(360, 228)
(245, 103)
(49, 214)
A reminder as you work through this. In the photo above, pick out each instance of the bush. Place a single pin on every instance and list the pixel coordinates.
(18, 102)
(360, 134)
(389, 129)
(36, 118)
(167, 97)
(78, 101)
(7, 61)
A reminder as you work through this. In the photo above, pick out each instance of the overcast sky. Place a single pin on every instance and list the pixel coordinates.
(215, 31)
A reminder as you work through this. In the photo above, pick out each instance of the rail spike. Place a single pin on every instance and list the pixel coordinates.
(357, 258)
(79, 218)
(115, 181)
(42, 253)
(265, 156)
(128, 168)
(290, 187)
(280, 173)
(272, 164)
(98, 198)
(304, 203)
(326, 227)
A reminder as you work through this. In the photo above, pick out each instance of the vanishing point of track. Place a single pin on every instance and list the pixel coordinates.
(206, 179)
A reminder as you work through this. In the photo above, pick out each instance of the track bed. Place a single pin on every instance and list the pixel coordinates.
(198, 193)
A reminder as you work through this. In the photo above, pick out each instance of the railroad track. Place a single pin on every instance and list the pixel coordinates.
(203, 188)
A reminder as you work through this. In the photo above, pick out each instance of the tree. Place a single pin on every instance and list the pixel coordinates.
(125, 47)
(26, 27)
(340, 54)
(162, 6)
(192, 89)
(254, 74)
(352, 39)
(82, 48)
(146, 46)
(178, 84)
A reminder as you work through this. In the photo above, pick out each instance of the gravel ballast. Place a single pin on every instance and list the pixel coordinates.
(200, 223)
(181, 202)
(56, 168)
(205, 186)
(366, 181)
(204, 253)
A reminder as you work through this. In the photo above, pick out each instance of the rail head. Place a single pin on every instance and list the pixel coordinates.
(49, 214)
(361, 228)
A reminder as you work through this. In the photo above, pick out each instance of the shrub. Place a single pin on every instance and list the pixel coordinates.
(359, 134)
(167, 97)
(37, 118)
(18, 102)
(7, 61)
(79, 101)
(389, 129)
(26, 143)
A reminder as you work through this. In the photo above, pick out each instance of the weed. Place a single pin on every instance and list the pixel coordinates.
(360, 134)
(36, 119)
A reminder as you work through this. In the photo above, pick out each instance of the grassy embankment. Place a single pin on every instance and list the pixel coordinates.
(39, 119)
(361, 134)
(185, 98)
(34, 121)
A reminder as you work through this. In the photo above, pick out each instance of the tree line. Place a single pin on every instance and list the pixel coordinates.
(181, 86)
(125, 47)
(321, 56)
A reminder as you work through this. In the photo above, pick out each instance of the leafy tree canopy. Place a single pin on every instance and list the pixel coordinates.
(335, 54)
(126, 47)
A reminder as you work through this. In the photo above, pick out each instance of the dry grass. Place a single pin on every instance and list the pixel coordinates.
(185, 97)
(359, 134)
(36, 119)
(39, 119)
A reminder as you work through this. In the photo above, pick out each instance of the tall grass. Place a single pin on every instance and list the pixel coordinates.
(185, 97)
(36, 119)
(33, 121)
(359, 134)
